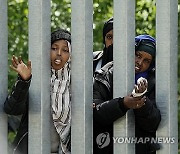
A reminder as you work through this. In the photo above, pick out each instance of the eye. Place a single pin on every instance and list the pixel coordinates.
(147, 61)
(66, 50)
(54, 48)
(138, 55)
(109, 37)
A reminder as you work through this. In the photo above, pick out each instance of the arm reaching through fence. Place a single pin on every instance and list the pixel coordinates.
(107, 109)
(23, 70)
(17, 102)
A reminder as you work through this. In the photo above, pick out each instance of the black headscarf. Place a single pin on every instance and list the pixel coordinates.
(107, 52)
(107, 55)
(108, 26)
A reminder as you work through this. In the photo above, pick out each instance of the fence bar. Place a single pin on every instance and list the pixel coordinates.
(166, 72)
(39, 53)
(124, 27)
(4, 72)
(81, 24)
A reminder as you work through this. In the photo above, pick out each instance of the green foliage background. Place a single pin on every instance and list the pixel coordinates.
(61, 16)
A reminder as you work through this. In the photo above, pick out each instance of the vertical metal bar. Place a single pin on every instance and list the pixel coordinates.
(166, 73)
(124, 32)
(81, 24)
(4, 74)
(39, 53)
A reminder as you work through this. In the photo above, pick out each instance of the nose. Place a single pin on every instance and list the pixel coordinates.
(111, 42)
(59, 52)
(140, 61)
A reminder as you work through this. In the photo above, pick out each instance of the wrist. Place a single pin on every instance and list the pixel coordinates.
(24, 79)
(124, 103)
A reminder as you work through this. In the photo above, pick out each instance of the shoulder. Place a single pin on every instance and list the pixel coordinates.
(105, 75)
(106, 69)
(97, 59)
(97, 55)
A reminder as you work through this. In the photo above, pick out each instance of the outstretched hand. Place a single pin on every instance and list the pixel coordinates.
(134, 102)
(22, 69)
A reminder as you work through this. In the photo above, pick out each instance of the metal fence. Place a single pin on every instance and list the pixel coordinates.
(4, 73)
(82, 21)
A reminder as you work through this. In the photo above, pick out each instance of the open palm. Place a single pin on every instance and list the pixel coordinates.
(22, 69)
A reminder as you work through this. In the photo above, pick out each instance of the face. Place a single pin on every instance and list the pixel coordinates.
(59, 54)
(142, 61)
(109, 38)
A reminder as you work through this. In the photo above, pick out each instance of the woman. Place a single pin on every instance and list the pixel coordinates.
(17, 101)
(101, 58)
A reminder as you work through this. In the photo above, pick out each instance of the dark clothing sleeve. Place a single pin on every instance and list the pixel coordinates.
(148, 117)
(106, 110)
(16, 102)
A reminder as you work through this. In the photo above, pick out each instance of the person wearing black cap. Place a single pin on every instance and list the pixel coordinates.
(106, 110)
(17, 101)
(103, 57)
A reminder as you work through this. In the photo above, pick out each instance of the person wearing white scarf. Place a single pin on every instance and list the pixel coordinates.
(60, 91)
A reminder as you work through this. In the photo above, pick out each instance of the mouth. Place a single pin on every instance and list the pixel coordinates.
(57, 61)
(137, 69)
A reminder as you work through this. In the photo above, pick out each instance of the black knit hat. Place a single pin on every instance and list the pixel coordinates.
(146, 43)
(148, 47)
(60, 34)
(108, 26)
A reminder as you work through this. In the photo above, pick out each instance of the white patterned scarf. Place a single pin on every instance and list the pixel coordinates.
(61, 103)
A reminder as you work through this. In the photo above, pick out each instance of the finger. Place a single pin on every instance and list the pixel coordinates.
(143, 100)
(20, 60)
(137, 106)
(136, 89)
(133, 105)
(13, 68)
(142, 88)
(146, 84)
(15, 60)
(140, 103)
(29, 64)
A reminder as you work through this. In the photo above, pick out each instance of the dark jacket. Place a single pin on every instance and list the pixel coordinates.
(107, 110)
(17, 104)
